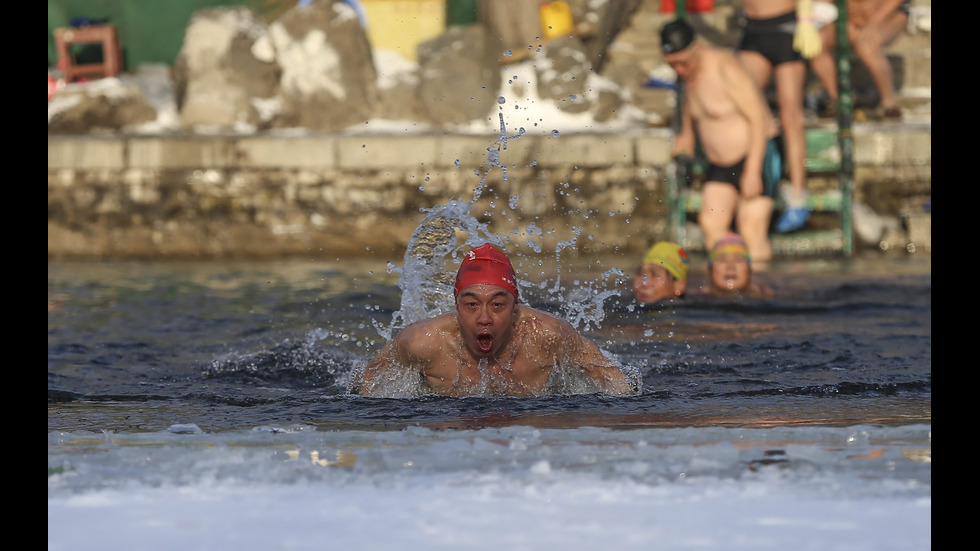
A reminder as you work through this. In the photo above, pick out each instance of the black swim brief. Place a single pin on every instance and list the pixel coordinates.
(772, 38)
(771, 171)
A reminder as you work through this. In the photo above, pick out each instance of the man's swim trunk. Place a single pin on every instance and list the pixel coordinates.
(772, 170)
(772, 38)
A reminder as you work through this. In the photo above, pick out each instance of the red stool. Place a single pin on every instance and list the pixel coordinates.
(111, 64)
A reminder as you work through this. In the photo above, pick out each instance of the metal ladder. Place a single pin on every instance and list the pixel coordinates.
(829, 228)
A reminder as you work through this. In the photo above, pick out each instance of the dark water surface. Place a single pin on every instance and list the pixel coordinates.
(142, 346)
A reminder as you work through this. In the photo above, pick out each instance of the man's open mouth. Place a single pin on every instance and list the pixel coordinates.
(484, 341)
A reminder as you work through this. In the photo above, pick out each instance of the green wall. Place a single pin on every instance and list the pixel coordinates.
(150, 31)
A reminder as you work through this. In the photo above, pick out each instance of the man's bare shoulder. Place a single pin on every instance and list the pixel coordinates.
(543, 326)
(440, 322)
(427, 336)
(729, 63)
(540, 318)
(718, 55)
(724, 62)
(736, 77)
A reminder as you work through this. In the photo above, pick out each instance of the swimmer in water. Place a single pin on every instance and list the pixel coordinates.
(491, 344)
(730, 269)
(662, 275)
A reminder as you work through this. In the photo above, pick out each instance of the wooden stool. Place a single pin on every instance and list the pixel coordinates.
(111, 64)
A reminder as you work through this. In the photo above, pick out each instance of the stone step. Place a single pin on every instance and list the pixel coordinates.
(823, 201)
(804, 243)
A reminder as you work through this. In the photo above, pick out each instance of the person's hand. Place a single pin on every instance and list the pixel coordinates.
(751, 185)
(681, 153)
(683, 159)
(683, 146)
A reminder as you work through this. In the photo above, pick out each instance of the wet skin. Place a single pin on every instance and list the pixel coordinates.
(730, 272)
(492, 346)
(654, 283)
(486, 315)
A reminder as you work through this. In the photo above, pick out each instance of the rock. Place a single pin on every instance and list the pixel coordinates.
(328, 77)
(609, 102)
(104, 105)
(398, 86)
(225, 67)
(874, 229)
(513, 27)
(563, 71)
(312, 67)
(565, 75)
(459, 75)
(600, 24)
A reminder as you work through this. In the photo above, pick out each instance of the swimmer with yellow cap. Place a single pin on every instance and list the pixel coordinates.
(662, 274)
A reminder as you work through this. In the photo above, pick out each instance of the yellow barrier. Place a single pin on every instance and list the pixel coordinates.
(556, 19)
(401, 25)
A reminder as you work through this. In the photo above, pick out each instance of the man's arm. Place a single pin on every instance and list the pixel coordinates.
(750, 101)
(594, 363)
(684, 141)
(377, 369)
(396, 359)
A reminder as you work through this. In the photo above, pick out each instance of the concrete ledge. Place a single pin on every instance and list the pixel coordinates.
(875, 144)
(189, 152)
(86, 153)
(889, 144)
(290, 152)
(338, 195)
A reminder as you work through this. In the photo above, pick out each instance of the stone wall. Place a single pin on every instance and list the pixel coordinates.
(326, 196)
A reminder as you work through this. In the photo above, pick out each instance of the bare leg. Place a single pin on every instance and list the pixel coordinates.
(757, 66)
(789, 93)
(761, 71)
(824, 64)
(869, 43)
(753, 225)
(718, 203)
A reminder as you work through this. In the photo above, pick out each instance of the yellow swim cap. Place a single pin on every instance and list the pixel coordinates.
(671, 256)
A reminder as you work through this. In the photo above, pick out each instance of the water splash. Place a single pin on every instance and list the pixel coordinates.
(429, 270)
(310, 363)
(447, 231)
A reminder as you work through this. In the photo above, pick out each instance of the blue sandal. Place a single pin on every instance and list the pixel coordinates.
(792, 219)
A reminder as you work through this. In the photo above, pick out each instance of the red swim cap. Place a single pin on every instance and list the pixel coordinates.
(486, 264)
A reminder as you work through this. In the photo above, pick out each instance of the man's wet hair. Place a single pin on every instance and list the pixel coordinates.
(676, 36)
